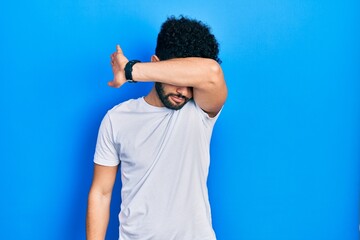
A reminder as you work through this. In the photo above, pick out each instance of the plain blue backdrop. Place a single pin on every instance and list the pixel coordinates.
(285, 151)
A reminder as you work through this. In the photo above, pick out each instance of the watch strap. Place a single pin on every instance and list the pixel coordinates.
(128, 70)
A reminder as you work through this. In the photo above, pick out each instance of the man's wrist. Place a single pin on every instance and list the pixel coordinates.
(128, 70)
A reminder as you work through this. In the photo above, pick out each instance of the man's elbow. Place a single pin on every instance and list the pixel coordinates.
(215, 73)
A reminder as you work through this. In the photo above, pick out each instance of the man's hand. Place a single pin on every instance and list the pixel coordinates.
(118, 62)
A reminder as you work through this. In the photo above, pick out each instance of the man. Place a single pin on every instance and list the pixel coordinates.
(162, 140)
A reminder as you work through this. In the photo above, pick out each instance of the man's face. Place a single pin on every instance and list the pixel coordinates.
(173, 97)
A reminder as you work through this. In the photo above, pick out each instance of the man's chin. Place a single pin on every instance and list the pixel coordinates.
(175, 106)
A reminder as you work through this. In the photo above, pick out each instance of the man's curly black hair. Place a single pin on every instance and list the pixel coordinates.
(183, 37)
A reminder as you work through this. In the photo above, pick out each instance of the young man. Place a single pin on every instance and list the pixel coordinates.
(162, 140)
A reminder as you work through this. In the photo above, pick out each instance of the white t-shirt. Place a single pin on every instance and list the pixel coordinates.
(165, 159)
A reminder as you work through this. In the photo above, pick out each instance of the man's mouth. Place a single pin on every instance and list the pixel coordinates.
(177, 99)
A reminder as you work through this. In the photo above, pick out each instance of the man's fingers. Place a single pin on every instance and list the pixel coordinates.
(118, 49)
(113, 84)
(115, 61)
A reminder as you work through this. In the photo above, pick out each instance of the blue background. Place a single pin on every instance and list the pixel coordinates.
(285, 151)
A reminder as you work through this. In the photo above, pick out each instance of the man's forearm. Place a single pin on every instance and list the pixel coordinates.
(203, 75)
(97, 217)
(187, 72)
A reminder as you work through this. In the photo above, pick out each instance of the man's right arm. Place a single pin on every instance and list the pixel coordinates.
(98, 210)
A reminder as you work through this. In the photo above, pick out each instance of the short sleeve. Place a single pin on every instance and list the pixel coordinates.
(207, 120)
(105, 152)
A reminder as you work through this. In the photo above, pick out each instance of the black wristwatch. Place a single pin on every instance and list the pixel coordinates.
(128, 70)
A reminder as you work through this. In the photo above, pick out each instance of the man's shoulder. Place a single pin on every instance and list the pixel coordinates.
(193, 107)
(126, 106)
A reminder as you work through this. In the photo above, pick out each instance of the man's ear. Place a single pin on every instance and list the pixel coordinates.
(154, 58)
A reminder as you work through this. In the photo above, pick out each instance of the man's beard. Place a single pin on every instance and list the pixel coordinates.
(165, 98)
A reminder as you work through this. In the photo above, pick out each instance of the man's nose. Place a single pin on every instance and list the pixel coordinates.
(183, 90)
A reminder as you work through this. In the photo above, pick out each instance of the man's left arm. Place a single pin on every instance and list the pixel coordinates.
(204, 75)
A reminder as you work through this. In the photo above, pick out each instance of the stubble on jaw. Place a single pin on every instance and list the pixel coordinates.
(164, 98)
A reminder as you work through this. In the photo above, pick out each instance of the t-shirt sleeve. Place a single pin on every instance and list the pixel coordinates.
(207, 120)
(105, 151)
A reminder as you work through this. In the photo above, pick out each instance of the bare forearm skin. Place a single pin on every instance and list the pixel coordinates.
(204, 75)
(187, 72)
(97, 217)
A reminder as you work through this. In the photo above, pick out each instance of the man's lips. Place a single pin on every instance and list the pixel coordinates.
(177, 99)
